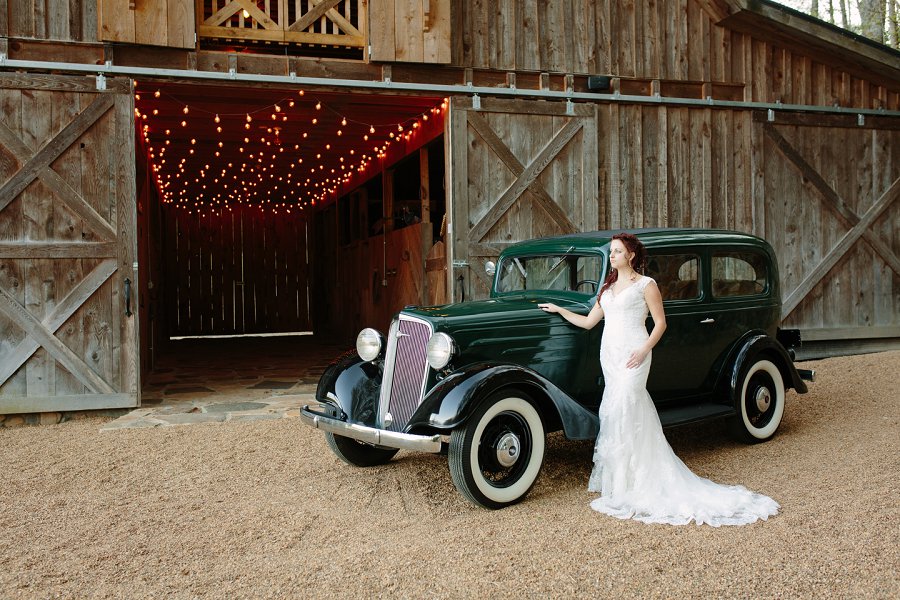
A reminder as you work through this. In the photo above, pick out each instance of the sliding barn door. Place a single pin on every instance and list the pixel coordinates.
(68, 339)
(833, 222)
(518, 169)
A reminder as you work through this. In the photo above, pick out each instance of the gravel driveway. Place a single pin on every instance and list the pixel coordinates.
(264, 510)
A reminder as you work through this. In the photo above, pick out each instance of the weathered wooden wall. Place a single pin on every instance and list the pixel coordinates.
(63, 20)
(834, 222)
(236, 271)
(669, 40)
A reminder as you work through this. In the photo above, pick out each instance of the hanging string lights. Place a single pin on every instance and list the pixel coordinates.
(261, 167)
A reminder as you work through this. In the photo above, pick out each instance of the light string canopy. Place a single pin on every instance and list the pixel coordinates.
(283, 156)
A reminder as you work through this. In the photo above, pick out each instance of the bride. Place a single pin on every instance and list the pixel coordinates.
(635, 470)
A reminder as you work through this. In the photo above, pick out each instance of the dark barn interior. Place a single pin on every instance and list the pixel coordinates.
(253, 203)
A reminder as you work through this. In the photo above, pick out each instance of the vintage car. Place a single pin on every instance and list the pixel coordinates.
(485, 381)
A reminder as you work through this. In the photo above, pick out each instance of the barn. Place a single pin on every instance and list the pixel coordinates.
(229, 167)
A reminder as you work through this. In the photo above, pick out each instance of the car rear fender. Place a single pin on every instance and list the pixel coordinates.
(451, 402)
(760, 344)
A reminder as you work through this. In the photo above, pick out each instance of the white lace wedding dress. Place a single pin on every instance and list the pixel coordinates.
(635, 469)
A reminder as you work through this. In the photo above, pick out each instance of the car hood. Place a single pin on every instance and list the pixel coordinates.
(518, 308)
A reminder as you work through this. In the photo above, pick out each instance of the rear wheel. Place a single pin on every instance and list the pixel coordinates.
(760, 403)
(496, 456)
(358, 454)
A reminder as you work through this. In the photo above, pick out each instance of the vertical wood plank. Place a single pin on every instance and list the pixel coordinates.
(116, 21)
(409, 42)
(12, 228)
(381, 30)
(40, 287)
(151, 23)
(125, 375)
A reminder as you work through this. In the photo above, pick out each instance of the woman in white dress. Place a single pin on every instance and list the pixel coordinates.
(635, 470)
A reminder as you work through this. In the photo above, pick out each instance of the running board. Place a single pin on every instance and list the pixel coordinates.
(681, 415)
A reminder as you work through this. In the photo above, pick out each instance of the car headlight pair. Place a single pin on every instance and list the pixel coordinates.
(438, 351)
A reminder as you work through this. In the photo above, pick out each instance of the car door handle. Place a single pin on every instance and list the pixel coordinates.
(708, 320)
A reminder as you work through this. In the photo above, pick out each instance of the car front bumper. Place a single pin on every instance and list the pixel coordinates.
(370, 435)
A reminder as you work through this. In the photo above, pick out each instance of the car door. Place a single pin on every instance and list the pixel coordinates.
(682, 358)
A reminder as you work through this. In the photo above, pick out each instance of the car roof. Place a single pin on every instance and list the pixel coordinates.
(650, 237)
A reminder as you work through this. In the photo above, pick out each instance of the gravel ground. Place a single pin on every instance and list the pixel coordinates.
(264, 510)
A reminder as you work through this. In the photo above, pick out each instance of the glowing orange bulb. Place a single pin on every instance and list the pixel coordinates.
(217, 119)
(314, 121)
(184, 123)
(249, 118)
(185, 110)
(156, 94)
(318, 106)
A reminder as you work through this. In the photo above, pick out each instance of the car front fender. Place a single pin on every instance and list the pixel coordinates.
(455, 398)
(354, 386)
(764, 344)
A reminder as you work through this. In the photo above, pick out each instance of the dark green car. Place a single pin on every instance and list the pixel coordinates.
(485, 381)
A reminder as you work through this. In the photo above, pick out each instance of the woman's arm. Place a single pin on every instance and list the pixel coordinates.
(584, 321)
(655, 304)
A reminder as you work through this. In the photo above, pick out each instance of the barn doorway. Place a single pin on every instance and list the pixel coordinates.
(249, 199)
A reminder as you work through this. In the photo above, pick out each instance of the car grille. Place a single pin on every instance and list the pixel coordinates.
(405, 370)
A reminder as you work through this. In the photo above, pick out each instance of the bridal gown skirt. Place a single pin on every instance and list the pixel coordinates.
(635, 470)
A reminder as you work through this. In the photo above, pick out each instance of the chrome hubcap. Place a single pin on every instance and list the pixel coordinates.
(508, 449)
(763, 399)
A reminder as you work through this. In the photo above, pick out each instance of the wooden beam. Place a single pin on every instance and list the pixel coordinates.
(832, 200)
(51, 150)
(525, 179)
(57, 250)
(32, 404)
(19, 315)
(58, 185)
(482, 128)
(831, 259)
(59, 315)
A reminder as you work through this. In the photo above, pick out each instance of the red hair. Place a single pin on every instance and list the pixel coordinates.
(638, 261)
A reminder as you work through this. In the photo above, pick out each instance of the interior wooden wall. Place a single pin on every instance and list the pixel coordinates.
(366, 282)
(240, 271)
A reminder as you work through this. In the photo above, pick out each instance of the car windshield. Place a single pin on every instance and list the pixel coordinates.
(563, 271)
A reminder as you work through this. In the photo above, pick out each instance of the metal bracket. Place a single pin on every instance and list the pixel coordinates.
(860, 120)
(771, 116)
(459, 264)
(101, 81)
(570, 107)
(476, 102)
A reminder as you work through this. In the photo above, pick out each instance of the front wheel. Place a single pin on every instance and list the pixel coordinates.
(760, 402)
(358, 454)
(496, 456)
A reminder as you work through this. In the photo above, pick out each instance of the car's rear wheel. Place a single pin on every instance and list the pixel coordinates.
(496, 456)
(759, 403)
(358, 454)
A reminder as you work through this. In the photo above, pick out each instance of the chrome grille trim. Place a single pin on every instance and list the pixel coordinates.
(405, 371)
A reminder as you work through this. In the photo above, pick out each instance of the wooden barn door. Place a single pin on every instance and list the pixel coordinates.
(518, 169)
(833, 221)
(67, 249)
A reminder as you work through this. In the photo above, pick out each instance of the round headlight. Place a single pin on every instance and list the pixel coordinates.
(368, 344)
(439, 350)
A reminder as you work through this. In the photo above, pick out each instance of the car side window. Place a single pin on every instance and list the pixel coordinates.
(676, 275)
(738, 274)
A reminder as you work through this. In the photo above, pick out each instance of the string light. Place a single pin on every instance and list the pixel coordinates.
(261, 181)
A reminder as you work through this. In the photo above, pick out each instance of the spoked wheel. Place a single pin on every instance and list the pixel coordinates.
(760, 405)
(358, 454)
(496, 456)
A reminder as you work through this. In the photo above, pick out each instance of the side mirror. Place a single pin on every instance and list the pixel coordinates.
(490, 268)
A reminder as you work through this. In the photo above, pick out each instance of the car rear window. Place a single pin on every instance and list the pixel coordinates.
(738, 274)
(676, 275)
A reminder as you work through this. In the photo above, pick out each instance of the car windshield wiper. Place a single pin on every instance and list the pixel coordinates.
(560, 261)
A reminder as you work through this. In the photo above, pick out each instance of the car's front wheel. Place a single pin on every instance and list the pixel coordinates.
(496, 456)
(759, 403)
(358, 454)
